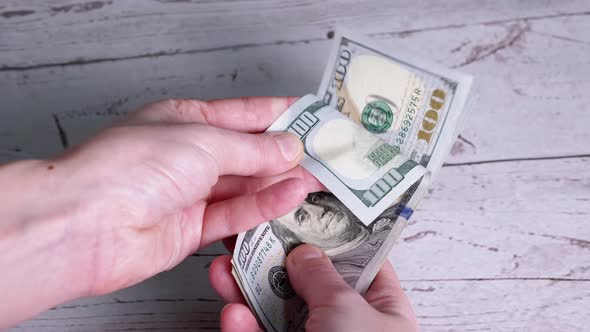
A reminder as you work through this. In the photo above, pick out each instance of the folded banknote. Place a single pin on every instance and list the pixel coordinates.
(411, 112)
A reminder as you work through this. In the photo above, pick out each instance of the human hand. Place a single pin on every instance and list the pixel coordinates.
(333, 304)
(139, 197)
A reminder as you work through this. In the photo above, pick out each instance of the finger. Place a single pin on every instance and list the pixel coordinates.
(232, 216)
(169, 111)
(229, 186)
(386, 294)
(223, 282)
(235, 153)
(315, 279)
(249, 114)
(238, 318)
(246, 114)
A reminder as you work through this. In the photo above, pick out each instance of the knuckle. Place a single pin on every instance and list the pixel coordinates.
(159, 105)
(190, 110)
(251, 187)
(207, 165)
(152, 111)
(259, 152)
(168, 103)
(175, 110)
(174, 255)
(255, 116)
(184, 110)
(263, 211)
(317, 267)
(339, 294)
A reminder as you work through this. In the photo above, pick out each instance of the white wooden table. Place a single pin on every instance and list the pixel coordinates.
(501, 243)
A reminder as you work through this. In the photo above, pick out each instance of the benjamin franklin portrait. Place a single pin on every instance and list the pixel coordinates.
(326, 223)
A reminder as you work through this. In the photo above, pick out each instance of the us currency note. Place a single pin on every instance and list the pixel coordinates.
(414, 105)
(322, 220)
(364, 172)
(417, 108)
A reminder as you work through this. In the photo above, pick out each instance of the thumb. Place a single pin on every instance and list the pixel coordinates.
(315, 279)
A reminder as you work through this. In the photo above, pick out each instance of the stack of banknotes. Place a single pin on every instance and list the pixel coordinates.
(375, 134)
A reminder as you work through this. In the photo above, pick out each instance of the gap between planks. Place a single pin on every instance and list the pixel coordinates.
(510, 160)
(329, 35)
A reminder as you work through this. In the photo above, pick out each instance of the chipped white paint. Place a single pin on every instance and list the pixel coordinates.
(501, 246)
(37, 32)
(533, 87)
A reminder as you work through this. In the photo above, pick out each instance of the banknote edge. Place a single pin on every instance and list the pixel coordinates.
(341, 32)
(370, 272)
(461, 96)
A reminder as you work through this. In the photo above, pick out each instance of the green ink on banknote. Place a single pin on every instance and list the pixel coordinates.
(377, 117)
(382, 155)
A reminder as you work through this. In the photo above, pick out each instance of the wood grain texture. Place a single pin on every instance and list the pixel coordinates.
(456, 305)
(511, 254)
(40, 33)
(501, 242)
(181, 299)
(532, 87)
(524, 219)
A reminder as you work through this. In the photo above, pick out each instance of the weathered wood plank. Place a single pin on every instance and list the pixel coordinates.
(501, 305)
(533, 88)
(61, 31)
(501, 220)
(440, 305)
(494, 246)
(179, 299)
(466, 261)
(525, 219)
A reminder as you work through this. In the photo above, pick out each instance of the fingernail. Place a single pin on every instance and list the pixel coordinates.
(289, 145)
(306, 252)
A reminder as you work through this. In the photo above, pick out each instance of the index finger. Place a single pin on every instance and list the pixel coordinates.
(246, 114)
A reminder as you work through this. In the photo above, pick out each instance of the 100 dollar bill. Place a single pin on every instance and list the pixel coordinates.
(414, 105)
(417, 108)
(366, 173)
(356, 250)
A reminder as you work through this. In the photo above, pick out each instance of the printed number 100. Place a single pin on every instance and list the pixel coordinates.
(437, 101)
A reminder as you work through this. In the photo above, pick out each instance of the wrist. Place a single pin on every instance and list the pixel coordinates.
(38, 257)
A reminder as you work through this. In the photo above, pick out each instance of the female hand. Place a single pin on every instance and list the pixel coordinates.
(333, 304)
(139, 197)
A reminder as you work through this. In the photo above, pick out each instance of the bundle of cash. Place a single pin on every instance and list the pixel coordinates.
(375, 135)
